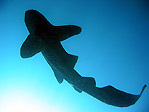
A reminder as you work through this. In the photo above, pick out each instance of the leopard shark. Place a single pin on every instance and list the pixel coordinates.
(46, 38)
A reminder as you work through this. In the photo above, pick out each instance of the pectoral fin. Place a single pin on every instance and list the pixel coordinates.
(31, 46)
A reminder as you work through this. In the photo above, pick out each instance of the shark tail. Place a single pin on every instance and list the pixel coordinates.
(115, 97)
(143, 89)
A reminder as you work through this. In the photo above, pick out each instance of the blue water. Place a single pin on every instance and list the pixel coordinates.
(113, 47)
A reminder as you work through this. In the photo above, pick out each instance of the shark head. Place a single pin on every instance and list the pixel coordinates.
(43, 33)
(34, 20)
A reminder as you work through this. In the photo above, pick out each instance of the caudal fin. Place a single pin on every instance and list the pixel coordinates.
(115, 97)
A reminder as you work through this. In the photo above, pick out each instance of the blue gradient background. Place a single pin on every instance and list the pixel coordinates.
(113, 47)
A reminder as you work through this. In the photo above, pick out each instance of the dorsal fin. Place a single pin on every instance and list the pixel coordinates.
(71, 60)
(89, 81)
(68, 59)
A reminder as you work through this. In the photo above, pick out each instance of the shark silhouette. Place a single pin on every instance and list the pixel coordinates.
(46, 38)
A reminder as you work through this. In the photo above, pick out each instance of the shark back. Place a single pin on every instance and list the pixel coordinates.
(56, 56)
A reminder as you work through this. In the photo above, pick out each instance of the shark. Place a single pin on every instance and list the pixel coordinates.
(46, 38)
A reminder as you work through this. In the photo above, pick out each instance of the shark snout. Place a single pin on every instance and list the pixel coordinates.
(31, 12)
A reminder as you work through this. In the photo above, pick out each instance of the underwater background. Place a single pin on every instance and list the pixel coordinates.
(113, 47)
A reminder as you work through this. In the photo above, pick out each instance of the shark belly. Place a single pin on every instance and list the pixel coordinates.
(54, 56)
(59, 65)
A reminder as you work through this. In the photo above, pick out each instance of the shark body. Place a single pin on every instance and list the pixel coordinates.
(46, 38)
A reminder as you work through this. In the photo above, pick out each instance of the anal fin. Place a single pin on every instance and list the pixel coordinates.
(77, 89)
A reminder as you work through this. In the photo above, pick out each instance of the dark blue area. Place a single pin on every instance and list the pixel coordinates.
(113, 47)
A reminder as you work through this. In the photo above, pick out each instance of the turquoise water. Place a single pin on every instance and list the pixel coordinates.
(112, 47)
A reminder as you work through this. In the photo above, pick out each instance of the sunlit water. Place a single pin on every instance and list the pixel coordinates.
(113, 47)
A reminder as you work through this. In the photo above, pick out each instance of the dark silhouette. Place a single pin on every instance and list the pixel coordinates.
(45, 38)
